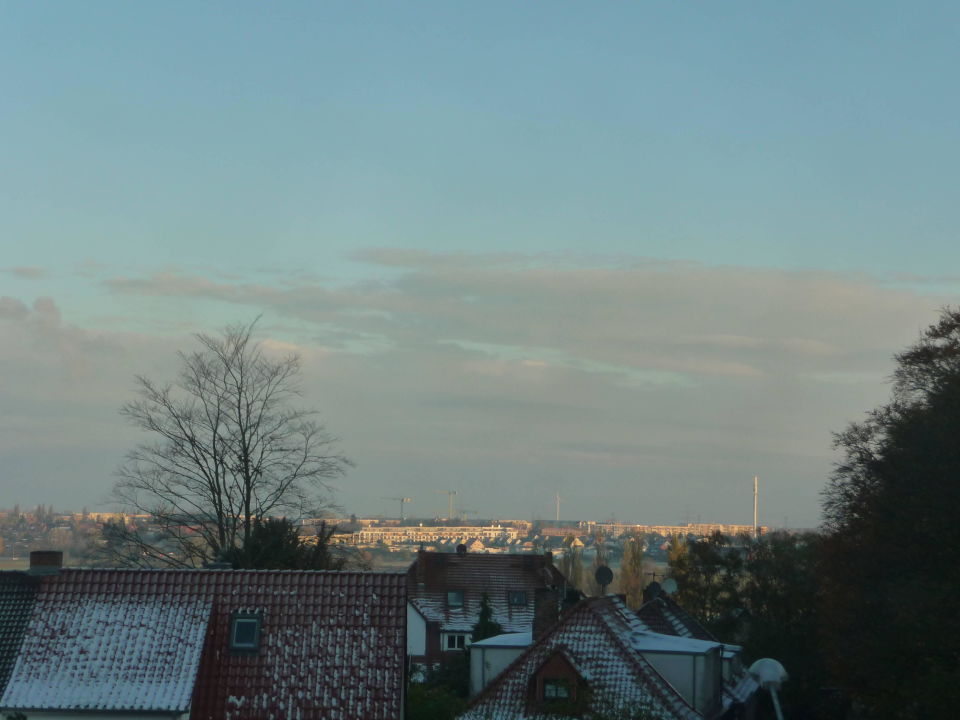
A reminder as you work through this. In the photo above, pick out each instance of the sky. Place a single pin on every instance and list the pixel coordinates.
(634, 253)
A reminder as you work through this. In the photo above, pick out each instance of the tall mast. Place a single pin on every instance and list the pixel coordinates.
(756, 528)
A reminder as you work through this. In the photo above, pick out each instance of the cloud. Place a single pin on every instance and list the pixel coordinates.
(27, 273)
(648, 386)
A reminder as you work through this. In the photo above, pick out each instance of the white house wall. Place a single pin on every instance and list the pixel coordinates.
(488, 662)
(416, 632)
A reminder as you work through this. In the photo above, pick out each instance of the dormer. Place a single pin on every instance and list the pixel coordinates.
(556, 687)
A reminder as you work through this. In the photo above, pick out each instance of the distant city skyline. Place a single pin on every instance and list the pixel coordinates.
(634, 254)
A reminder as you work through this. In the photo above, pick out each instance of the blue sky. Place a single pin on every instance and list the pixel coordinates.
(170, 167)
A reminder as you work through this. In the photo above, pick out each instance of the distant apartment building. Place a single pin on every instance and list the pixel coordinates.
(700, 529)
(424, 534)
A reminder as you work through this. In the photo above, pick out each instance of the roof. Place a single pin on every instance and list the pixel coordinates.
(507, 640)
(662, 614)
(596, 637)
(109, 653)
(17, 593)
(433, 574)
(332, 644)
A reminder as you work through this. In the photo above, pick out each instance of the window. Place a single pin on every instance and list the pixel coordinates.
(517, 597)
(454, 641)
(455, 598)
(556, 689)
(245, 632)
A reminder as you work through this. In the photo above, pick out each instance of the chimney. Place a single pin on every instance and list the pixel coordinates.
(421, 563)
(45, 562)
(652, 591)
(546, 610)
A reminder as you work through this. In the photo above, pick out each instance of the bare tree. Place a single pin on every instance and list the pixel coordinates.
(230, 447)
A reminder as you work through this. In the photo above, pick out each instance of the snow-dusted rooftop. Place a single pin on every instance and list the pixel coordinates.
(332, 644)
(507, 640)
(109, 654)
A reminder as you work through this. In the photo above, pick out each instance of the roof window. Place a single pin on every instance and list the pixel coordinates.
(455, 598)
(245, 632)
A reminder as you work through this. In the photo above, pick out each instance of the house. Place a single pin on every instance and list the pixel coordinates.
(661, 613)
(445, 591)
(601, 658)
(208, 644)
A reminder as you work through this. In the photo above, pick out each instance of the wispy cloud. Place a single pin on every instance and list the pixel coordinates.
(27, 273)
(664, 384)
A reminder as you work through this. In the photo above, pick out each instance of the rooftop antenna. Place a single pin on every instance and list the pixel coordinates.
(756, 528)
(401, 500)
(449, 494)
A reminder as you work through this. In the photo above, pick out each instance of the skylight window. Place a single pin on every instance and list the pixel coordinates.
(455, 598)
(245, 632)
(518, 597)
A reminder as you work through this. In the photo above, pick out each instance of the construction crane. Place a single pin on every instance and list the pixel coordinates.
(401, 500)
(464, 512)
(449, 494)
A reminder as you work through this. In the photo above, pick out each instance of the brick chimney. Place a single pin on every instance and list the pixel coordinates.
(45, 562)
(546, 610)
(421, 563)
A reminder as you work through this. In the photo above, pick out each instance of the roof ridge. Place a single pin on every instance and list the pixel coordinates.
(644, 666)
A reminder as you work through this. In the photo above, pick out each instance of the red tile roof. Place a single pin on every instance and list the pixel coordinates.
(332, 643)
(432, 575)
(663, 615)
(595, 637)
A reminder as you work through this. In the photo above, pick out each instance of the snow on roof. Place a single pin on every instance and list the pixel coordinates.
(432, 575)
(645, 641)
(506, 640)
(665, 615)
(18, 591)
(108, 654)
(595, 637)
(332, 644)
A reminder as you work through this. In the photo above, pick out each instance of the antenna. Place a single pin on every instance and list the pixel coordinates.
(449, 494)
(401, 500)
(756, 529)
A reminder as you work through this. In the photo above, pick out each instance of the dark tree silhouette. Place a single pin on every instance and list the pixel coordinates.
(486, 626)
(229, 447)
(275, 544)
(892, 506)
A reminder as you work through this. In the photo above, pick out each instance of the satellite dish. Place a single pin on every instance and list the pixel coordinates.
(669, 586)
(603, 576)
(770, 674)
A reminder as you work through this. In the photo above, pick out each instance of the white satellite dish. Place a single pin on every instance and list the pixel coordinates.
(669, 586)
(770, 674)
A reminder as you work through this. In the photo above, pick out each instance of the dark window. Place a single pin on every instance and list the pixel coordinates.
(518, 597)
(455, 598)
(245, 632)
(556, 689)
(456, 642)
